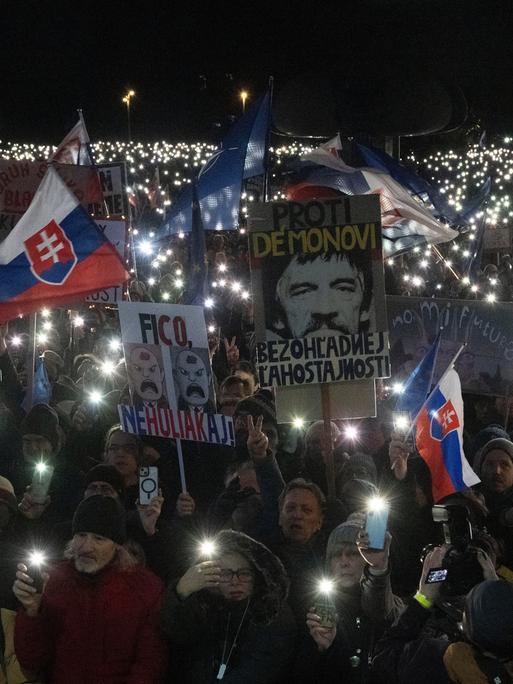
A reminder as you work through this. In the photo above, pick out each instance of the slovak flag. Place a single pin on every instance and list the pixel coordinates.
(74, 148)
(439, 438)
(55, 254)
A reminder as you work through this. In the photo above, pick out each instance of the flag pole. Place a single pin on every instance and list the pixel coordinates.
(326, 416)
(31, 359)
(267, 140)
(181, 465)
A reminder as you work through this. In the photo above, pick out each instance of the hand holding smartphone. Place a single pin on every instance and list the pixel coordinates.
(148, 484)
(376, 523)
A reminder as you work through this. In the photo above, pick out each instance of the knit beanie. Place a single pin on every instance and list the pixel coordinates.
(259, 404)
(500, 443)
(489, 617)
(101, 515)
(7, 495)
(345, 533)
(42, 420)
(486, 435)
(106, 473)
(359, 462)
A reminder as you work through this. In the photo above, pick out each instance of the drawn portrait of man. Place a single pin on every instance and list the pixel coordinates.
(320, 294)
(146, 375)
(193, 379)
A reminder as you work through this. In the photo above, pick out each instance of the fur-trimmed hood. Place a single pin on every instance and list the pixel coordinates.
(271, 583)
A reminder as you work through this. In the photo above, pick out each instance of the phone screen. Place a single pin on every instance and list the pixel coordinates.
(40, 484)
(436, 575)
(376, 527)
(148, 484)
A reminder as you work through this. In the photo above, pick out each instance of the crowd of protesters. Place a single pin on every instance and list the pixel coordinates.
(221, 581)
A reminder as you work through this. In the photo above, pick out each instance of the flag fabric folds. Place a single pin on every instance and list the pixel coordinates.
(55, 254)
(439, 438)
(75, 147)
(197, 270)
(405, 222)
(418, 385)
(219, 183)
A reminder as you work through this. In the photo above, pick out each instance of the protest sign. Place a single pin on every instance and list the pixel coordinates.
(169, 374)
(19, 180)
(113, 184)
(318, 291)
(485, 365)
(116, 233)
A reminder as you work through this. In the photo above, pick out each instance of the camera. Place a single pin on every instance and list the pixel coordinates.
(461, 560)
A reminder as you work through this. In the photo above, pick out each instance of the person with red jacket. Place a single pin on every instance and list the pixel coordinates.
(96, 619)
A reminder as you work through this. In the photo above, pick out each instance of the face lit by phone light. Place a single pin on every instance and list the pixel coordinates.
(237, 577)
(192, 377)
(122, 451)
(300, 515)
(346, 566)
(146, 376)
(92, 552)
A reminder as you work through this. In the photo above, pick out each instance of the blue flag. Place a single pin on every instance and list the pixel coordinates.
(197, 268)
(41, 387)
(219, 184)
(418, 385)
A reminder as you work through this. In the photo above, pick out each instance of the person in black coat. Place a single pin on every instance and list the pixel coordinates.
(226, 618)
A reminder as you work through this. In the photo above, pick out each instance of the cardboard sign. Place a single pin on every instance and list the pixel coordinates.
(169, 374)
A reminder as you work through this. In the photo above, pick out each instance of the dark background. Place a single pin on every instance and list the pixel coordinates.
(188, 61)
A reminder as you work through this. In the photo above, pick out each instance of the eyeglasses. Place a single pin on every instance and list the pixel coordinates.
(104, 490)
(129, 448)
(242, 574)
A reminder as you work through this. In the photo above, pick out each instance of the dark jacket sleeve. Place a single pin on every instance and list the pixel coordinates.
(183, 622)
(402, 656)
(271, 485)
(378, 601)
(266, 655)
(151, 657)
(11, 392)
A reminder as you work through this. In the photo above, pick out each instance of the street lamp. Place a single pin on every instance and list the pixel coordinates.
(243, 97)
(130, 94)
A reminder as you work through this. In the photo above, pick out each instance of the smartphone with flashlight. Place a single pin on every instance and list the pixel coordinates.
(41, 480)
(325, 609)
(376, 523)
(35, 567)
(436, 575)
(148, 484)
(402, 426)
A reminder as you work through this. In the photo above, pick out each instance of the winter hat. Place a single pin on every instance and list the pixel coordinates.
(101, 515)
(7, 495)
(42, 420)
(271, 587)
(106, 473)
(345, 533)
(355, 493)
(359, 462)
(486, 435)
(489, 617)
(259, 404)
(500, 443)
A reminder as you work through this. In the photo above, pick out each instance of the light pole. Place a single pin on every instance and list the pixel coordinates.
(130, 94)
(243, 97)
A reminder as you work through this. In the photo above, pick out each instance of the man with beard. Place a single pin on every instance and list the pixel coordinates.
(192, 380)
(97, 616)
(146, 377)
(327, 292)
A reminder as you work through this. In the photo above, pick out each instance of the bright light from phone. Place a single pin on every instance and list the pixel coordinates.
(209, 302)
(42, 338)
(47, 325)
(108, 367)
(326, 586)
(146, 247)
(376, 504)
(298, 422)
(211, 328)
(95, 396)
(207, 548)
(16, 341)
(41, 467)
(78, 321)
(114, 345)
(397, 388)
(401, 422)
(37, 558)
(45, 313)
(351, 432)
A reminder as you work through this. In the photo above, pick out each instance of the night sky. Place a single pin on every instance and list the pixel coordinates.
(188, 61)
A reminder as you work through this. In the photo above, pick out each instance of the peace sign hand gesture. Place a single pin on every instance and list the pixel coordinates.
(232, 351)
(257, 439)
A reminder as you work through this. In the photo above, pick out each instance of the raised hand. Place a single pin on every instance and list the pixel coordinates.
(398, 453)
(323, 636)
(185, 504)
(232, 351)
(30, 508)
(25, 591)
(257, 439)
(376, 558)
(205, 575)
(150, 513)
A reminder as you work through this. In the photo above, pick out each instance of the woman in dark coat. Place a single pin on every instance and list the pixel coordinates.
(226, 618)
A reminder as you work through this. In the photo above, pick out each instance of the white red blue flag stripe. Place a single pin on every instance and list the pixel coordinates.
(55, 254)
(439, 438)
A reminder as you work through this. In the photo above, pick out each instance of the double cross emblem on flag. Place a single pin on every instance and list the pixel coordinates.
(443, 421)
(51, 254)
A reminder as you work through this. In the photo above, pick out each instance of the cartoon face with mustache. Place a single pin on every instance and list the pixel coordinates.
(145, 373)
(192, 378)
